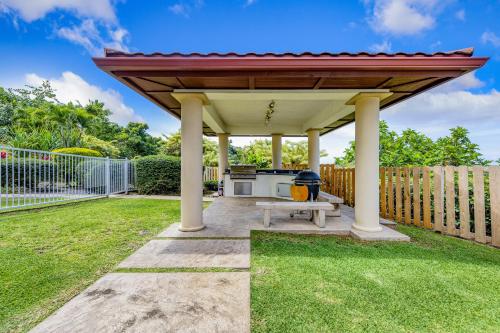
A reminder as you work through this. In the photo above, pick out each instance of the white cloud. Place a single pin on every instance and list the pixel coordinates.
(460, 15)
(179, 9)
(32, 10)
(464, 82)
(185, 7)
(249, 2)
(489, 37)
(385, 46)
(402, 17)
(88, 35)
(70, 87)
(97, 25)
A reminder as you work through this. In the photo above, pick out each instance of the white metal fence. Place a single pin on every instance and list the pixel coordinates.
(32, 177)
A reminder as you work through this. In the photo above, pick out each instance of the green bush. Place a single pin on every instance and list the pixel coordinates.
(158, 174)
(29, 171)
(92, 175)
(211, 185)
(78, 151)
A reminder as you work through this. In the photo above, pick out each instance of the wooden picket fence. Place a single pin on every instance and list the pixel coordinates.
(291, 166)
(460, 201)
(210, 173)
(339, 182)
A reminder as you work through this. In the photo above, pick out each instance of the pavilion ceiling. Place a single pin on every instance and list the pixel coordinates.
(157, 75)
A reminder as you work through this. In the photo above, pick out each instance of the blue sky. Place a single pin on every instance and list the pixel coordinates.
(55, 40)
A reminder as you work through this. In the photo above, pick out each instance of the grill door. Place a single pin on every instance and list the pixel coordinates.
(243, 188)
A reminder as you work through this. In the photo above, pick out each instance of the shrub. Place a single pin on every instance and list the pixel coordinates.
(104, 147)
(158, 174)
(78, 151)
(211, 185)
(91, 175)
(29, 171)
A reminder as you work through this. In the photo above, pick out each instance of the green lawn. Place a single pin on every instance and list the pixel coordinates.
(327, 284)
(299, 283)
(49, 255)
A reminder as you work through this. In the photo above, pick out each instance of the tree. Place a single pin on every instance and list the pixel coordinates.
(33, 118)
(134, 141)
(414, 148)
(457, 149)
(297, 152)
(259, 152)
(172, 146)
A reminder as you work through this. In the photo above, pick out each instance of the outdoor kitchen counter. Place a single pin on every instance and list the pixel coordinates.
(264, 185)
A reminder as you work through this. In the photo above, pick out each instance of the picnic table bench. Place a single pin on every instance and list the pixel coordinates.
(318, 209)
(334, 200)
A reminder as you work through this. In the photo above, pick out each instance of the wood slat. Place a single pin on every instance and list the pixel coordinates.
(353, 187)
(399, 216)
(407, 198)
(463, 200)
(449, 174)
(416, 197)
(390, 193)
(438, 198)
(334, 181)
(494, 173)
(479, 214)
(426, 197)
(383, 193)
(344, 183)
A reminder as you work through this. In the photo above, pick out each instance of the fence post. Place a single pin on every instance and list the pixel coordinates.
(107, 173)
(125, 175)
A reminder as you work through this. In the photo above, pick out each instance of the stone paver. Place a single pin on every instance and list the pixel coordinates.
(157, 302)
(199, 253)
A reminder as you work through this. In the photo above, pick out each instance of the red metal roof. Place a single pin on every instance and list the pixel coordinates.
(467, 52)
(157, 75)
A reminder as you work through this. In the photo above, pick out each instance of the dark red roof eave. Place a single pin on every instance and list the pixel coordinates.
(283, 63)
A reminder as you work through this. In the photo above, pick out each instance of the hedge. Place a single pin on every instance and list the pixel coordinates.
(78, 151)
(158, 174)
(211, 185)
(32, 171)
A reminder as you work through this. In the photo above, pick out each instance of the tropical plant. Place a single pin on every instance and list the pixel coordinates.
(412, 149)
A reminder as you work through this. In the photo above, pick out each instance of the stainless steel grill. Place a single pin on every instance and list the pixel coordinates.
(246, 171)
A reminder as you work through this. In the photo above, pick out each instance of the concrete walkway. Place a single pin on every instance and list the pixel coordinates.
(171, 301)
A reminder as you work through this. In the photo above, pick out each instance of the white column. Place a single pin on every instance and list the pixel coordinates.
(191, 163)
(223, 153)
(367, 164)
(276, 146)
(313, 149)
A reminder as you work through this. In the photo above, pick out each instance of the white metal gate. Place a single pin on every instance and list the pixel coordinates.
(33, 177)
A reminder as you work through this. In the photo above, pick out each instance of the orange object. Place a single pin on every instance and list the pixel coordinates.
(299, 192)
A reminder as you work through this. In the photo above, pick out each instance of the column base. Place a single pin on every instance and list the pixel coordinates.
(367, 229)
(191, 229)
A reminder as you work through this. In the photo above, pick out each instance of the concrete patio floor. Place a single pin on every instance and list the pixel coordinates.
(235, 217)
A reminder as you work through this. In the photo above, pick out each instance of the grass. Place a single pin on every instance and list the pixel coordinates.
(328, 284)
(299, 283)
(47, 256)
